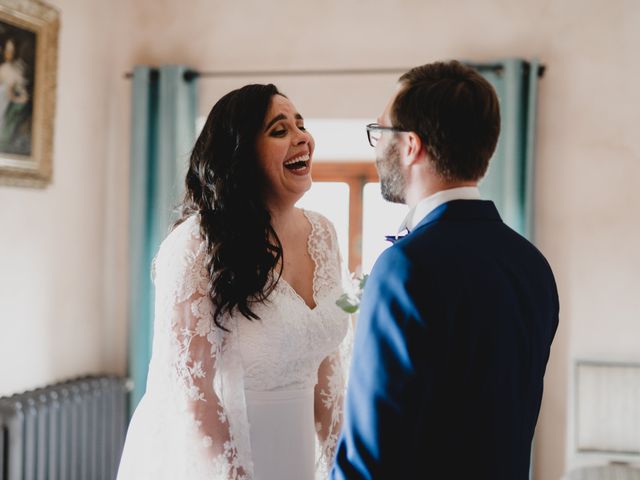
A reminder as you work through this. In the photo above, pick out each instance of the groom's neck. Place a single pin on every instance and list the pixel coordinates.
(419, 190)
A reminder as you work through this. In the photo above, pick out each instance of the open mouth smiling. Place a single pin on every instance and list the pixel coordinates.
(297, 163)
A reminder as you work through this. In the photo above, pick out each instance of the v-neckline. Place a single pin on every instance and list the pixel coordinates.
(315, 269)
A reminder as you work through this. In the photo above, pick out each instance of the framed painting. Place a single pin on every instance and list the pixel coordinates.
(28, 70)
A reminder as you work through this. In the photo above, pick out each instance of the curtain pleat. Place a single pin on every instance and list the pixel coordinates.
(509, 180)
(162, 135)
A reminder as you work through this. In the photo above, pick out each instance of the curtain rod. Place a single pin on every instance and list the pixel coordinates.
(191, 74)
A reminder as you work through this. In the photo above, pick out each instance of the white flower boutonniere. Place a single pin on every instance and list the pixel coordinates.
(350, 301)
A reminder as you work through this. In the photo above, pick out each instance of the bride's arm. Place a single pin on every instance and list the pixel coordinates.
(196, 349)
(196, 362)
(332, 373)
(328, 405)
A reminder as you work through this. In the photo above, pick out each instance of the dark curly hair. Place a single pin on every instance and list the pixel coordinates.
(224, 186)
(456, 113)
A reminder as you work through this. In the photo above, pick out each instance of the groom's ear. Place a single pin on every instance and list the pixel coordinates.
(414, 149)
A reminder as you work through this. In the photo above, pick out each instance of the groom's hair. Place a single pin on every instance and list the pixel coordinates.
(456, 114)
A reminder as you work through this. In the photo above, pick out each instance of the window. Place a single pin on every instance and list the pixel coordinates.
(379, 218)
(348, 194)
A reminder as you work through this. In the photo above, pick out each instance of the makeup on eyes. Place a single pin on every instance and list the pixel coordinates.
(280, 131)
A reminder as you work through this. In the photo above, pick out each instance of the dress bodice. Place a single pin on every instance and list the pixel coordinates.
(284, 348)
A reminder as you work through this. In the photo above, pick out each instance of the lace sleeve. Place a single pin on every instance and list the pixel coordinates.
(196, 355)
(332, 373)
(329, 397)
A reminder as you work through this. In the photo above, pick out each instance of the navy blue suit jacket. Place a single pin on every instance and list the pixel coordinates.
(451, 346)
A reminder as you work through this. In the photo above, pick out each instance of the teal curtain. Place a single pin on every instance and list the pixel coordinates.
(509, 180)
(162, 135)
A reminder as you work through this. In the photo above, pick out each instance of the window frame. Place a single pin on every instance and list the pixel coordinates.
(356, 174)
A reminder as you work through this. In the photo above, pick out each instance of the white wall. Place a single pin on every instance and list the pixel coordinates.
(63, 272)
(52, 241)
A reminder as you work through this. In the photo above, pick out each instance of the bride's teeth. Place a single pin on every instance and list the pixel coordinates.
(302, 158)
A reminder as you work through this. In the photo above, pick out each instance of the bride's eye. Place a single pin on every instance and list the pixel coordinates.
(278, 133)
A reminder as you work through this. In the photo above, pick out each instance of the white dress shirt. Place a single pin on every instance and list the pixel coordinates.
(427, 205)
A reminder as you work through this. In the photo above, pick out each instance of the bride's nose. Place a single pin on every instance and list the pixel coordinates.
(302, 137)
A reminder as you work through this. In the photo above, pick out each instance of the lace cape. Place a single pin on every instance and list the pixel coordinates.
(201, 369)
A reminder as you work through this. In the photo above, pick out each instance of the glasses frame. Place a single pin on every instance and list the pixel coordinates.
(376, 126)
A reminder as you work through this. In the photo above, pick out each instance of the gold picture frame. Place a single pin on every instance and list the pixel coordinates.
(28, 72)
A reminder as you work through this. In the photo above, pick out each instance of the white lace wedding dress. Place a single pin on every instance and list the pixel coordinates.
(260, 402)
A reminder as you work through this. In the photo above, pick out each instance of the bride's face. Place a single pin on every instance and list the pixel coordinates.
(284, 150)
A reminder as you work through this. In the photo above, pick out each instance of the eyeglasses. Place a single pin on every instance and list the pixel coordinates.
(374, 132)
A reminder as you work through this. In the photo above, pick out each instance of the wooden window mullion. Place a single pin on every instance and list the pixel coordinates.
(356, 175)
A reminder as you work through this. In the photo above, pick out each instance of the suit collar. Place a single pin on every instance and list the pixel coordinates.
(430, 203)
(462, 210)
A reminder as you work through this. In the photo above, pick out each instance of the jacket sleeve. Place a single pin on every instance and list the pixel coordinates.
(382, 394)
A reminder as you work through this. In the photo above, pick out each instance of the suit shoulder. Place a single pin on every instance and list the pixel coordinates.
(525, 245)
(393, 262)
(427, 243)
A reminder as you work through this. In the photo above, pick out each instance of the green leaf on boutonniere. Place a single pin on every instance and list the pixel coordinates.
(363, 281)
(345, 302)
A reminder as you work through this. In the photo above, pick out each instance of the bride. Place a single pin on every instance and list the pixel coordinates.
(246, 378)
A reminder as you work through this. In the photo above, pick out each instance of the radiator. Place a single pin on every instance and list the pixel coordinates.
(72, 430)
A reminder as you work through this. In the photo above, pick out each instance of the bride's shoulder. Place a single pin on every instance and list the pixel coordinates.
(183, 244)
(323, 231)
(184, 236)
(318, 220)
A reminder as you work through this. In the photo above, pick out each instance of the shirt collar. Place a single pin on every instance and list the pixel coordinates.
(425, 206)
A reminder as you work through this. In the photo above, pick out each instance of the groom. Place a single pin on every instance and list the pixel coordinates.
(458, 317)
